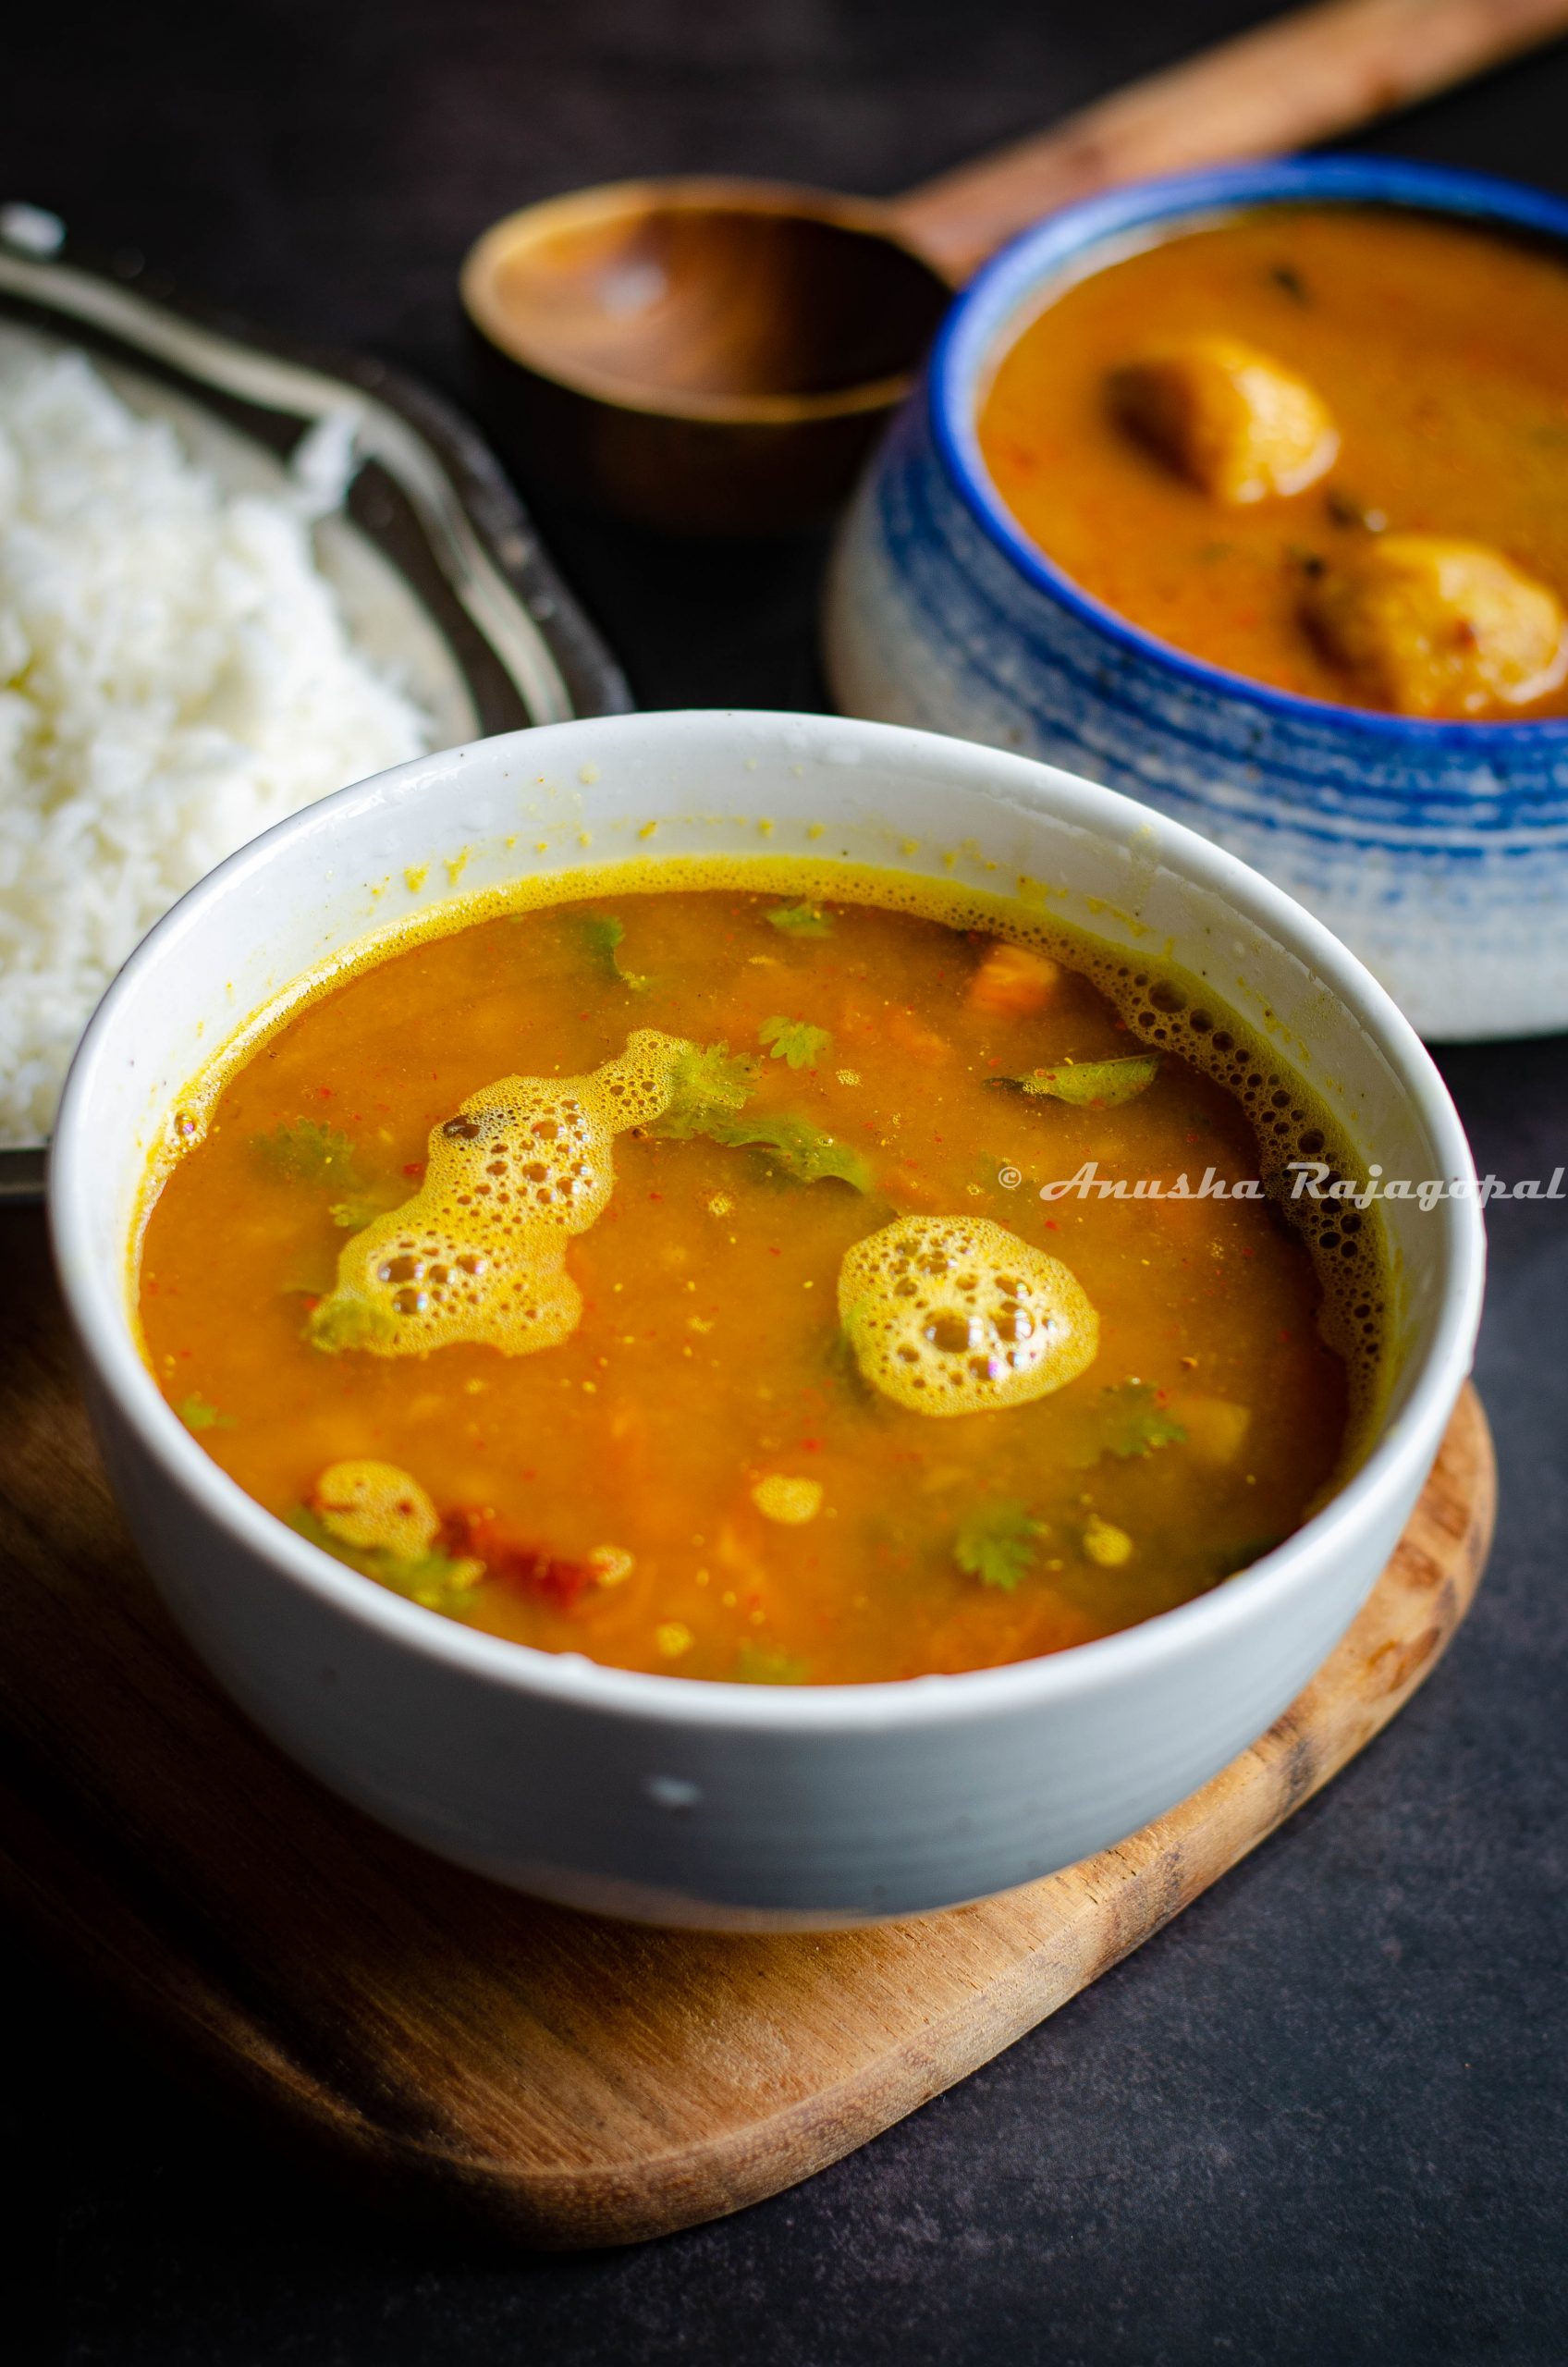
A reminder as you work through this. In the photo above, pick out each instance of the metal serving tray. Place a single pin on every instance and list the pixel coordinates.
(435, 561)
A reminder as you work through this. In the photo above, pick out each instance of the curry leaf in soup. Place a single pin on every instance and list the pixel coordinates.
(353, 1215)
(709, 1087)
(800, 920)
(197, 1415)
(602, 934)
(998, 1545)
(1089, 1085)
(761, 1664)
(434, 1579)
(795, 1041)
(308, 1152)
(346, 1323)
(1136, 1423)
(805, 1153)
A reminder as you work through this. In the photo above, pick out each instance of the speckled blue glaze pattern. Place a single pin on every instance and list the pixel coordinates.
(1438, 852)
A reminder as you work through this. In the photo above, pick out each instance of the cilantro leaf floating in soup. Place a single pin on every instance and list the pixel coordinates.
(707, 1085)
(800, 920)
(306, 1152)
(998, 1545)
(379, 1520)
(708, 1090)
(197, 1415)
(655, 1344)
(1137, 1420)
(603, 936)
(794, 1041)
(793, 1147)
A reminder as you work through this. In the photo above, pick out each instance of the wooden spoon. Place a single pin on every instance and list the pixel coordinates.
(714, 355)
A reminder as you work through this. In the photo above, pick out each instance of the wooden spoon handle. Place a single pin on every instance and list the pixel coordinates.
(1302, 78)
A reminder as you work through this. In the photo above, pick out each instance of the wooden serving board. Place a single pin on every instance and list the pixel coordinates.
(578, 2082)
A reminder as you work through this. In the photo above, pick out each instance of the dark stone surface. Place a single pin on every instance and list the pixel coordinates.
(1321, 2119)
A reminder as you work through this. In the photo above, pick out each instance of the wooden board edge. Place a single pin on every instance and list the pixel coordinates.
(1134, 1890)
(1248, 1801)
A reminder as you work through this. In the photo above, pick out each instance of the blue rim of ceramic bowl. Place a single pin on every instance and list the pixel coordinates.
(999, 298)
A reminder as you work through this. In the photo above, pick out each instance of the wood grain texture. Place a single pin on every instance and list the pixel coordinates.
(774, 330)
(574, 2082)
(1299, 78)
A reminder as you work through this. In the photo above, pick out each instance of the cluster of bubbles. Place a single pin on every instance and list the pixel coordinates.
(1344, 1250)
(956, 1315)
(479, 1253)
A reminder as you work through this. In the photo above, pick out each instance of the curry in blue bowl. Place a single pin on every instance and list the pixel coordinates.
(1247, 492)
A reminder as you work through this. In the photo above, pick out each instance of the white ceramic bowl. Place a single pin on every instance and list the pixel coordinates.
(659, 1796)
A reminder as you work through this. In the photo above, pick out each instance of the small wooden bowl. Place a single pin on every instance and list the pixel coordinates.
(716, 355)
(702, 355)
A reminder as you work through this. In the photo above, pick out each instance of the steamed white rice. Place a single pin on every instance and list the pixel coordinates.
(175, 675)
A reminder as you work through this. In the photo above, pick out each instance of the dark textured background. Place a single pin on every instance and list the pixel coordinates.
(1321, 2119)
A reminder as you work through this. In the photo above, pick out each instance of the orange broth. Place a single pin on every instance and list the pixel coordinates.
(1440, 351)
(605, 1495)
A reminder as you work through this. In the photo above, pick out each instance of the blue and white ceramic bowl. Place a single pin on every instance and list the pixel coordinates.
(1437, 850)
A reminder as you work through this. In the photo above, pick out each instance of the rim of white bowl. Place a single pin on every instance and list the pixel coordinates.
(100, 1313)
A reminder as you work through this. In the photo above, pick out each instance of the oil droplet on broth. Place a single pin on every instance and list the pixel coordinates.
(479, 1253)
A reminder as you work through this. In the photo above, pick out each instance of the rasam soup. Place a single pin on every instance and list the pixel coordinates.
(1325, 448)
(664, 1275)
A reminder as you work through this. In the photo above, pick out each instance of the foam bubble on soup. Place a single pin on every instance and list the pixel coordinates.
(479, 1253)
(956, 1315)
(376, 1508)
